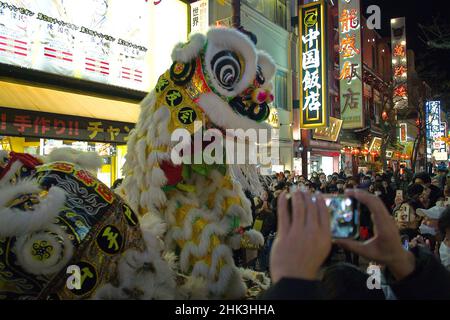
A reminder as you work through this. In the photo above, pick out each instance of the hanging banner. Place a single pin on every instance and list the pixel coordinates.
(403, 133)
(199, 16)
(350, 74)
(399, 62)
(313, 66)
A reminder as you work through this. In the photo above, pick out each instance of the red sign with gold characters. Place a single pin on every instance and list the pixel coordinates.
(399, 63)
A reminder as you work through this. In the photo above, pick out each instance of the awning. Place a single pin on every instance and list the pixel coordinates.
(26, 97)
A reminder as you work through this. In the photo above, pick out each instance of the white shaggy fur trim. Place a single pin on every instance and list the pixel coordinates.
(222, 115)
(236, 288)
(255, 237)
(222, 38)
(257, 277)
(5, 181)
(87, 160)
(145, 274)
(61, 254)
(234, 241)
(16, 222)
(187, 52)
(267, 64)
(153, 224)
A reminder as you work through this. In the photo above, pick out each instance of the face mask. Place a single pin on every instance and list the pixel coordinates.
(340, 186)
(424, 229)
(378, 193)
(444, 253)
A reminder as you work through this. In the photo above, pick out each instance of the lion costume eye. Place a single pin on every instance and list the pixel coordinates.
(226, 68)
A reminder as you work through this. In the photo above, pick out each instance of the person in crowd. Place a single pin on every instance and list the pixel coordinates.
(264, 222)
(444, 229)
(388, 194)
(436, 193)
(303, 242)
(340, 185)
(442, 175)
(344, 281)
(323, 184)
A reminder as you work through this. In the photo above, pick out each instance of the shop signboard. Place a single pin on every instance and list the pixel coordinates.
(14, 122)
(330, 133)
(199, 16)
(350, 61)
(403, 132)
(313, 66)
(111, 42)
(399, 62)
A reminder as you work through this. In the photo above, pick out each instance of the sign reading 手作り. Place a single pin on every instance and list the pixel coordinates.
(350, 74)
(313, 69)
(26, 123)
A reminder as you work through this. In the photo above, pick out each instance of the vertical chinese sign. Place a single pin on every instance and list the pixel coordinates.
(433, 128)
(199, 16)
(403, 133)
(399, 63)
(350, 62)
(313, 80)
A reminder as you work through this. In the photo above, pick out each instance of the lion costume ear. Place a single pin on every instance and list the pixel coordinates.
(186, 52)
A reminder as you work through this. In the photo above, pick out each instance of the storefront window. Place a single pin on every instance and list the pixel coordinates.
(274, 10)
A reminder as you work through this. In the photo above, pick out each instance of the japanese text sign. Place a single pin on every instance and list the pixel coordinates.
(350, 62)
(55, 126)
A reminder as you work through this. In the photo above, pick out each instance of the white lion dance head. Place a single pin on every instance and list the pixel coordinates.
(199, 211)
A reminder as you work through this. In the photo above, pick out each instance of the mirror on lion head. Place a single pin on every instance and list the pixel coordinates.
(237, 77)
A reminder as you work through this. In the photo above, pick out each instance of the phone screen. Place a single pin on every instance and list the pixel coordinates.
(344, 216)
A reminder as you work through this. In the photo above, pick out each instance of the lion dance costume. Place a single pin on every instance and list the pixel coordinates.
(172, 235)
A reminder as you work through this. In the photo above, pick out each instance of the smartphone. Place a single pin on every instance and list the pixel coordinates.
(344, 216)
(405, 242)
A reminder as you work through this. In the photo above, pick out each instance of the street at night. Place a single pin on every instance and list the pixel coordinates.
(222, 157)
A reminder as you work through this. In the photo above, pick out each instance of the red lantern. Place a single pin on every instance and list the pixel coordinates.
(355, 151)
(365, 152)
(384, 116)
(374, 153)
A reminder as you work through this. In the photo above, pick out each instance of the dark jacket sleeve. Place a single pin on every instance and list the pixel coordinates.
(430, 280)
(293, 289)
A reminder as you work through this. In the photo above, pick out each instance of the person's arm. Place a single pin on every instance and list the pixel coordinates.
(429, 280)
(301, 246)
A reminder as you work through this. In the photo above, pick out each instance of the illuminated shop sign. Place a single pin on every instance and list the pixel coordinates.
(107, 41)
(330, 133)
(199, 16)
(433, 127)
(14, 122)
(399, 62)
(403, 132)
(313, 82)
(350, 74)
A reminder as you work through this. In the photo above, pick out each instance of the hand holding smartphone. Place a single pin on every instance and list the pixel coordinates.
(344, 215)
